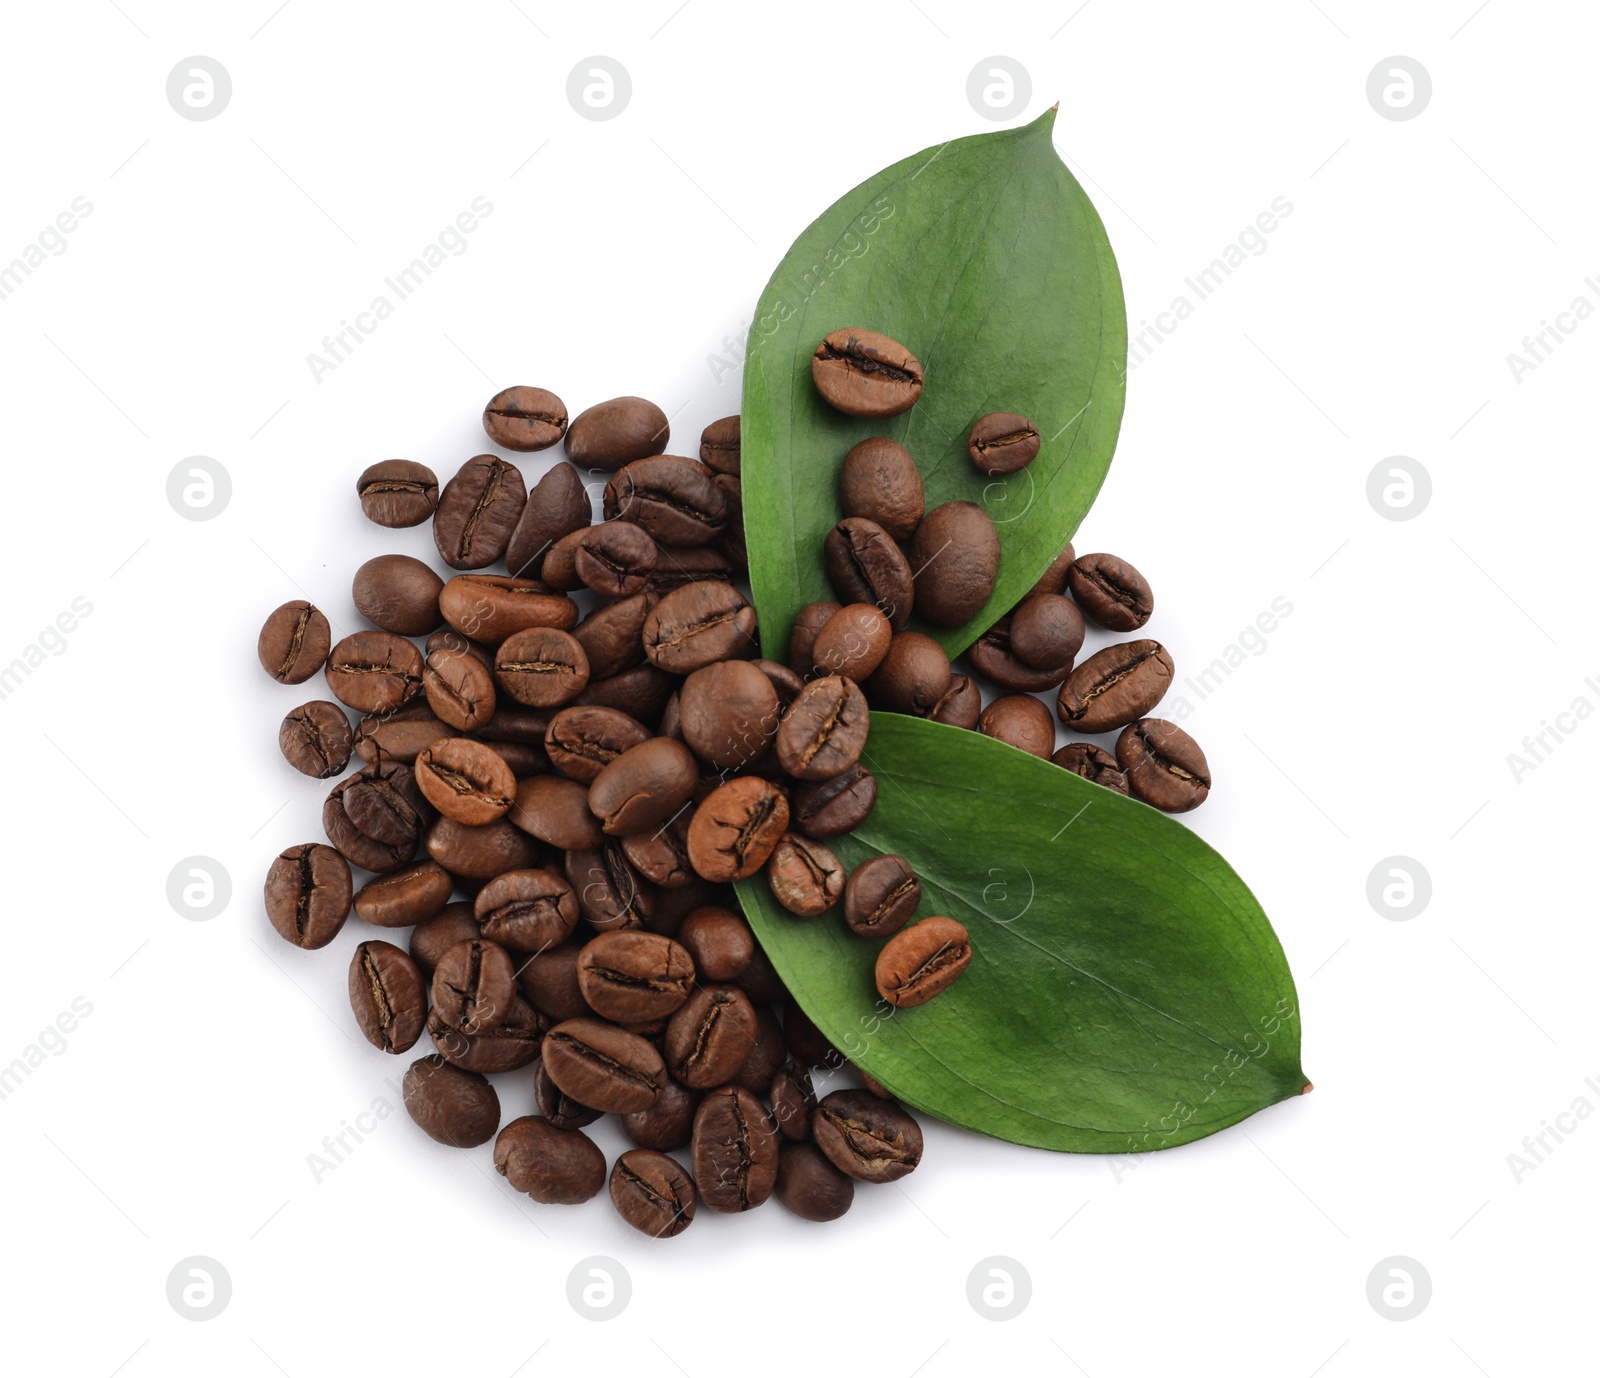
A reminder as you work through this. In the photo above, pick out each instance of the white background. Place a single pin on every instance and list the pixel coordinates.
(1377, 721)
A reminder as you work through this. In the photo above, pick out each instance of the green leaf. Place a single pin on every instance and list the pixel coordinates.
(1126, 991)
(985, 258)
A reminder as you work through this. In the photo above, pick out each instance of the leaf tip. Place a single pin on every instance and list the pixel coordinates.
(1307, 1089)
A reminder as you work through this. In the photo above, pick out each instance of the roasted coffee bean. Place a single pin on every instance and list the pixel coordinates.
(581, 742)
(719, 445)
(956, 554)
(644, 787)
(807, 626)
(432, 938)
(1054, 579)
(1092, 763)
(530, 910)
(523, 760)
(1002, 443)
(913, 676)
(374, 672)
(865, 566)
(831, 808)
(405, 897)
(793, 1101)
(1046, 631)
(511, 722)
(459, 689)
(877, 1088)
(732, 542)
(866, 1138)
(449, 639)
(1022, 721)
(612, 636)
(652, 1193)
(491, 607)
(734, 1150)
(307, 894)
(991, 656)
(1164, 765)
(559, 568)
(633, 977)
(401, 735)
(863, 373)
(807, 1042)
(824, 731)
(556, 810)
(718, 941)
(699, 624)
(524, 418)
(806, 878)
(478, 510)
(811, 1186)
(558, 505)
(316, 738)
(853, 643)
(766, 1054)
(611, 434)
(675, 500)
(662, 856)
(549, 980)
(399, 594)
(398, 492)
(920, 961)
(736, 827)
(376, 817)
(668, 1123)
(881, 896)
(610, 892)
(961, 705)
(677, 565)
(557, 1167)
(556, 1105)
(480, 853)
(1111, 592)
(602, 1066)
(879, 481)
(541, 667)
(456, 1108)
(509, 1045)
(728, 714)
(466, 781)
(1115, 687)
(474, 986)
(615, 559)
(293, 644)
(709, 1038)
(784, 681)
(387, 996)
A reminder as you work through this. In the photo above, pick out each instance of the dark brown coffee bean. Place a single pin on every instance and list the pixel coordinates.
(581, 742)
(466, 781)
(881, 896)
(956, 555)
(610, 892)
(853, 643)
(398, 593)
(675, 500)
(662, 856)
(718, 941)
(644, 787)
(1115, 687)
(602, 1066)
(387, 996)
(529, 910)
(541, 667)
(512, 1044)
(611, 434)
(709, 1038)
(556, 810)
(700, 624)
(400, 735)
(455, 1108)
(719, 445)
(556, 1167)
(793, 1101)
(961, 705)
(406, 897)
(765, 1056)
(1002, 443)
(807, 1042)
(474, 986)
(784, 681)
(677, 565)
(831, 808)
(511, 722)
(556, 1105)
(920, 961)
(449, 639)
(865, 566)
(736, 827)
(761, 982)
(1164, 764)
(1092, 763)
(810, 1186)
(557, 506)
(634, 977)
(524, 418)
(824, 731)
(374, 672)
(1046, 632)
(652, 1193)
(398, 492)
(559, 568)
(806, 878)
(1022, 721)
(991, 656)
(294, 642)
(522, 759)
(1054, 579)
(615, 559)
(1111, 592)
(480, 853)
(863, 373)
(728, 714)
(913, 676)
(459, 689)
(668, 1123)
(432, 938)
(879, 481)
(491, 607)
(807, 626)
(549, 980)
(376, 817)
(307, 894)
(612, 636)
(866, 1138)
(316, 739)
(734, 1150)
(478, 510)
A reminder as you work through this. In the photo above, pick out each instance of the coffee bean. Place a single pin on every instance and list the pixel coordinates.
(466, 781)
(556, 1167)
(736, 827)
(674, 500)
(879, 481)
(1111, 592)
(810, 1186)
(863, 373)
(455, 1108)
(603, 1066)
(374, 672)
(522, 759)
(491, 607)
(956, 554)
(865, 566)
(734, 1150)
(697, 625)
(784, 681)
(581, 742)
(525, 418)
(1046, 632)
(728, 714)
(662, 856)
(611, 434)
(541, 667)
(866, 1138)
(511, 722)
(612, 635)
(549, 980)
(294, 642)
(480, 853)
(824, 731)
(556, 1105)
(316, 738)
(677, 565)
(807, 1042)
(652, 1193)
(1002, 443)
(643, 787)
(881, 896)
(961, 705)
(398, 593)
(432, 938)
(376, 817)
(765, 1056)
(830, 808)
(1164, 764)
(559, 568)
(719, 445)
(610, 892)
(1115, 687)
(709, 1038)
(807, 626)
(478, 510)
(529, 910)
(718, 941)
(806, 878)
(509, 1045)
(992, 657)
(400, 735)
(449, 639)
(853, 643)
(1022, 721)
(558, 505)
(1092, 763)
(398, 492)
(405, 897)
(387, 996)
(307, 894)
(668, 1123)
(920, 961)
(913, 676)
(474, 986)
(634, 977)
(615, 559)
(556, 810)
(1054, 579)
(793, 1101)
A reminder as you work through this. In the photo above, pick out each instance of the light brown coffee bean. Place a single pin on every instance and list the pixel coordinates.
(921, 961)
